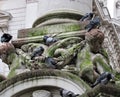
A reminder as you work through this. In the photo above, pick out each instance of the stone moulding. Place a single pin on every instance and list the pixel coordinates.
(4, 18)
(52, 15)
(40, 78)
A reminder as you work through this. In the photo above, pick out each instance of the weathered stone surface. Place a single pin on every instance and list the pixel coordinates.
(6, 48)
(2, 78)
(95, 39)
(41, 93)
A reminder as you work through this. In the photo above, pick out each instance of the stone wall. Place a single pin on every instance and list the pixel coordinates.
(25, 12)
(17, 10)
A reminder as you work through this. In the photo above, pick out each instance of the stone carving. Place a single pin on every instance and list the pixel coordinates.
(6, 48)
(2, 78)
(83, 57)
(80, 54)
(95, 39)
(4, 18)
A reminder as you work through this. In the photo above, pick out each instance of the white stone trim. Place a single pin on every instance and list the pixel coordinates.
(44, 81)
(4, 19)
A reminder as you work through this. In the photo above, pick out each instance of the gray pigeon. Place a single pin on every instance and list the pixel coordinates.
(93, 24)
(37, 52)
(49, 40)
(87, 16)
(66, 93)
(50, 62)
(6, 37)
(104, 78)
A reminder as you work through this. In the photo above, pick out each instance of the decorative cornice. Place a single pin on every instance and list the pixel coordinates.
(41, 74)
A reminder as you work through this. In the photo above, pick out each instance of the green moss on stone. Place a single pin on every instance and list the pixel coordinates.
(14, 65)
(10, 58)
(104, 53)
(41, 74)
(58, 28)
(38, 32)
(84, 58)
(62, 44)
(101, 61)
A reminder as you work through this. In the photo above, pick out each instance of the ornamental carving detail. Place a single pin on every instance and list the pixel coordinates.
(4, 19)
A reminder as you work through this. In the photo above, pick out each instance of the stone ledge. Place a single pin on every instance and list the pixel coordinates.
(63, 15)
(42, 73)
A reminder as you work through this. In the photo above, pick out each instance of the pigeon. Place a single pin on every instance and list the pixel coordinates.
(6, 37)
(37, 52)
(50, 62)
(66, 93)
(49, 40)
(87, 16)
(104, 78)
(93, 24)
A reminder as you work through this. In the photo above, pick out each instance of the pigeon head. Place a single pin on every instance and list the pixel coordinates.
(6, 37)
(42, 49)
(66, 93)
(71, 94)
(45, 38)
(54, 40)
(110, 76)
(91, 14)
